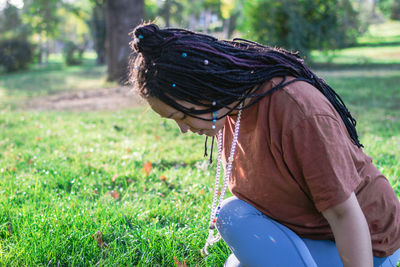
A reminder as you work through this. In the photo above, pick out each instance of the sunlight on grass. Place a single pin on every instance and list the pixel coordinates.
(388, 32)
(36, 83)
(360, 55)
(59, 57)
(41, 81)
(380, 45)
(58, 170)
(360, 72)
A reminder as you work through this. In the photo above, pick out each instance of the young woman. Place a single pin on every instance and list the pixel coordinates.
(305, 194)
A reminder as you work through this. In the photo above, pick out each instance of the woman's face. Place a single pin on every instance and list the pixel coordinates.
(185, 122)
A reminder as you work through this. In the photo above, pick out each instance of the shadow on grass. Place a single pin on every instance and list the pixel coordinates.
(167, 164)
(368, 92)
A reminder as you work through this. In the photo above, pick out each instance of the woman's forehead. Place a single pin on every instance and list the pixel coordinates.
(167, 111)
(161, 108)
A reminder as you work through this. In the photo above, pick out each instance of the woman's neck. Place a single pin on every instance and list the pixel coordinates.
(245, 103)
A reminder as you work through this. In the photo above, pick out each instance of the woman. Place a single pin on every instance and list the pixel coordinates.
(305, 194)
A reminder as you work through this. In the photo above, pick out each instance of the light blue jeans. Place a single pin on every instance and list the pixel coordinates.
(257, 240)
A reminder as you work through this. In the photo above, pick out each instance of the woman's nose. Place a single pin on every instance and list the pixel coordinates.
(182, 126)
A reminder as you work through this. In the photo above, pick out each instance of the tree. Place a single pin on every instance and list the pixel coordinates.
(11, 25)
(121, 17)
(395, 10)
(231, 11)
(98, 29)
(74, 30)
(151, 9)
(170, 8)
(10, 19)
(43, 18)
(390, 8)
(302, 25)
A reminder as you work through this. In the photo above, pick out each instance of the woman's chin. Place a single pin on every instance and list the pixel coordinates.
(211, 133)
(207, 132)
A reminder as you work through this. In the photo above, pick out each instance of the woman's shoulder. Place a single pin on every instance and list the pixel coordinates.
(301, 97)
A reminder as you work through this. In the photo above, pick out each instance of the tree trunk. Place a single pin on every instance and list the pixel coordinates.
(229, 25)
(395, 10)
(121, 17)
(98, 26)
(167, 12)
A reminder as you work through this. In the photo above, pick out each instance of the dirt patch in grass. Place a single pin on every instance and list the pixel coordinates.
(88, 100)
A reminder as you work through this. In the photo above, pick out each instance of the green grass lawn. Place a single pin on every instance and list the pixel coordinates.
(68, 177)
(59, 170)
(39, 81)
(379, 45)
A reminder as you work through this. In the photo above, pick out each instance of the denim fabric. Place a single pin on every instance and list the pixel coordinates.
(257, 240)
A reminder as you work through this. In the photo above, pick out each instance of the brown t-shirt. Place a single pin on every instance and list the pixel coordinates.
(295, 158)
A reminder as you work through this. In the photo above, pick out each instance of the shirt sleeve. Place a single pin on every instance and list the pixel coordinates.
(318, 153)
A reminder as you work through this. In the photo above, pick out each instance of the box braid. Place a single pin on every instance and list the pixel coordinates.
(176, 64)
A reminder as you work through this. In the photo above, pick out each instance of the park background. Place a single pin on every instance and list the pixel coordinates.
(90, 176)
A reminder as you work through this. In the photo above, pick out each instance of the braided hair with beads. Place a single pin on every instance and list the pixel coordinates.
(176, 64)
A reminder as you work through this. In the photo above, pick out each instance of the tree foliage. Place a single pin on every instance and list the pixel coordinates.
(390, 8)
(42, 16)
(15, 54)
(73, 54)
(302, 24)
(11, 24)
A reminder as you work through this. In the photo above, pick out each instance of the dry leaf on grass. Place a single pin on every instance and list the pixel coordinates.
(9, 229)
(164, 179)
(99, 239)
(115, 195)
(114, 177)
(179, 264)
(147, 167)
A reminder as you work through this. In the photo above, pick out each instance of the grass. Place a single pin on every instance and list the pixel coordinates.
(360, 55)
(381, 34)
(77, 188)
(18, 87)
(58, 170)
(379, 45)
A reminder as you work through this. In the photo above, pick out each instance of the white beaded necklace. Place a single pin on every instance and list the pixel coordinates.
(215, 209)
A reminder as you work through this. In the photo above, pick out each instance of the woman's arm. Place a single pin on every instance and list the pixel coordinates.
(352, 236)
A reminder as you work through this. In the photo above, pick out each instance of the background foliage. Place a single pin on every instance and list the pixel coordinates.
(302, 25)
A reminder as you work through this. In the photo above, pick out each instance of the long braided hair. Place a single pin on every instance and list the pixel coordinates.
(176, 64)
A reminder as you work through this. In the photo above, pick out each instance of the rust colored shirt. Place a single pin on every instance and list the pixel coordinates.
(295, 158)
